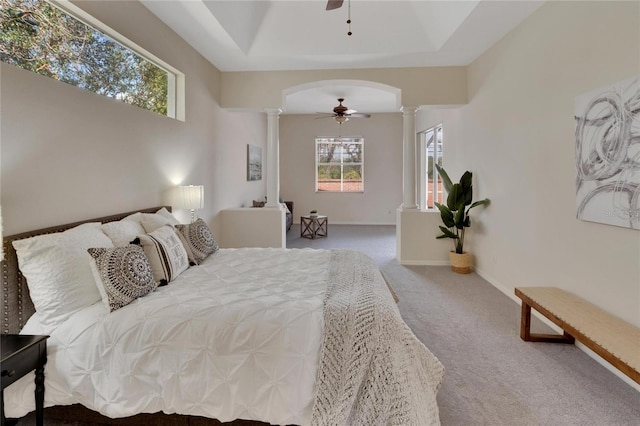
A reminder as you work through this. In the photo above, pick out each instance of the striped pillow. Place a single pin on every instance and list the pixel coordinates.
(167, 255)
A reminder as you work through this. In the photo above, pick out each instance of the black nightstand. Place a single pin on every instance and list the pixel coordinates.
(22, 354)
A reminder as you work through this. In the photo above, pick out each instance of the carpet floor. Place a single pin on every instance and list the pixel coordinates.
(492, 377)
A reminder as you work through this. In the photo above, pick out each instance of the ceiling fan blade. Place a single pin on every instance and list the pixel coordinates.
(349, 111)
(334, 4)
(326, 116)
(360, 115)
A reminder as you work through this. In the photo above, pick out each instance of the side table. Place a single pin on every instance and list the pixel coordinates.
(314, 226)
(22, 354)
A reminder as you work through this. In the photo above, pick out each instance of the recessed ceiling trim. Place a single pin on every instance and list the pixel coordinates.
(359, 94)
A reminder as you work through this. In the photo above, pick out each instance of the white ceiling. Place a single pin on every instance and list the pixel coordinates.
(258, 35)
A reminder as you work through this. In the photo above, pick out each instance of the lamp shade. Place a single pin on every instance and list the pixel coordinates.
(190, 197)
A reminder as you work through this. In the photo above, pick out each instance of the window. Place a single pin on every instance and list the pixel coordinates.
(50, 39)
(339, 164)
(430, 142)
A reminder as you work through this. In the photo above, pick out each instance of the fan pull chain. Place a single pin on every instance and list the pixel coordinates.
(349, 17)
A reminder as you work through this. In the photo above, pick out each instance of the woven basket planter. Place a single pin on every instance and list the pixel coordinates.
(460, 263)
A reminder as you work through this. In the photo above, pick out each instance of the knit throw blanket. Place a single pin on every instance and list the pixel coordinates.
(373, 369)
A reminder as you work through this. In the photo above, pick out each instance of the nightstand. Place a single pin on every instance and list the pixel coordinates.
(22, 354)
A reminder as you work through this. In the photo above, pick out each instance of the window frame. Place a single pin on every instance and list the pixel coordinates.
(175, 78)
(342, 140)
(423, 181)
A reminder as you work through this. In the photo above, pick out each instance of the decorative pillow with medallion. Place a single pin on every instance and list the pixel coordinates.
(122, 274)
(197, 240)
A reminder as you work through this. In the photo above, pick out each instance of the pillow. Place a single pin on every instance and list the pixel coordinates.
(197, 240)
(286, 208)
(151, 221)
(167, 255)
(134, 217)
(58, 272)
(122, 274)
(168, 215)
(122, 232)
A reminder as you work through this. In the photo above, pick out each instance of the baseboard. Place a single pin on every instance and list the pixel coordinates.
(357, 223)
(424, 262)
(491, 280)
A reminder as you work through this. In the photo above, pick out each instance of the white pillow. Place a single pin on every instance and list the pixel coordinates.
(168, 215)
(58, 272)
(123, 231)
(167, 255)
(151, 221)
(134, 217)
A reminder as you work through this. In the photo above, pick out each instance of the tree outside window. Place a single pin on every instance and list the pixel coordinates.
(37, 36)
(434, 188)
(339, 164)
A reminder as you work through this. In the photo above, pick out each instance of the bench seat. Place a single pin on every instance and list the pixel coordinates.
(613, 339)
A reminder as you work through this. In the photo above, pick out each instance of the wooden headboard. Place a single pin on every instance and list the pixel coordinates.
(14, 298)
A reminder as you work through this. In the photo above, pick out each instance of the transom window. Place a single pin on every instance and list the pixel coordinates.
(340, 164)
(49, 38)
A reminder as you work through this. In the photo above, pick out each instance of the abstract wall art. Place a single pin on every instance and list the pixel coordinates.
(607, 138)
(254, 162)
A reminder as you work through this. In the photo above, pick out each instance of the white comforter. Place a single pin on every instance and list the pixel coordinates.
(236, 337)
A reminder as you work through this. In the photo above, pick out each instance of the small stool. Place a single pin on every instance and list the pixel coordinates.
(313, 227)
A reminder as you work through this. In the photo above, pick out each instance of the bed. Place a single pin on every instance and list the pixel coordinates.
(248, 336)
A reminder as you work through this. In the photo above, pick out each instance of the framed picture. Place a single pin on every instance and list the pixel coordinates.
(608, 154)
(254, 162)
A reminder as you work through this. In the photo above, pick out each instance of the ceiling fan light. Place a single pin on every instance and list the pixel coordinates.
(341, 119)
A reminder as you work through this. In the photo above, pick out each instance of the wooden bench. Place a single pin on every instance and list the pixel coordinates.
(615, 340)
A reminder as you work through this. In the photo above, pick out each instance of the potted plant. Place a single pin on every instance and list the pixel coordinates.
(313, 213)
(455, 216)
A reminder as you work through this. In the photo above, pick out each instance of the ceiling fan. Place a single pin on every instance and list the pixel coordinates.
(334, 4)
(342, 113)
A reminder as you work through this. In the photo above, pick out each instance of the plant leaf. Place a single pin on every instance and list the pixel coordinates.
(447, 233)
(459, 219)
(479, 203)
(446, 214)
(467, 188)
(456, 197)
(446, 181)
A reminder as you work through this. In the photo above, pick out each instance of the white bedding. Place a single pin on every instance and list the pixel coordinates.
(236, 337)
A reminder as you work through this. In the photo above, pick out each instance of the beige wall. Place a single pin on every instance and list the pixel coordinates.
(382, 168)
(517, 136)
(416, 242)
(68, 154)
(249, 227)
(420, 86)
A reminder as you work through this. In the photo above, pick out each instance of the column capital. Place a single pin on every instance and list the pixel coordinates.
(406, 110)
(273, 111)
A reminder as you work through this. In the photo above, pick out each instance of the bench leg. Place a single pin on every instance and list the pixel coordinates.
(527, 336)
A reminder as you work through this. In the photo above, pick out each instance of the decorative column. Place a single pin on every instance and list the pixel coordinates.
(273, 157)
(409, 158)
